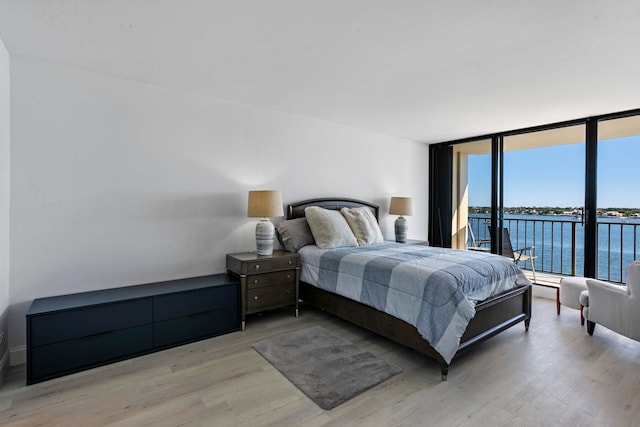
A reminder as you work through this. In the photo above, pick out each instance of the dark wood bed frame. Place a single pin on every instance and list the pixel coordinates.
(493, 315)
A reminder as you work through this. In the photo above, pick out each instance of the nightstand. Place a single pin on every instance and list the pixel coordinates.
(417, 242)
(412, 242)
(266, 281)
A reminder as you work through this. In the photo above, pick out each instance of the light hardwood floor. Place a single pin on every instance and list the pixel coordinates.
(553, 375)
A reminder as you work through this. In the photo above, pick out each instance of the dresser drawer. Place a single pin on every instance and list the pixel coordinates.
(195, 327)
(267, 297)
(280, 277)
(183, 304)
(271, 264)
(70, 324)
(83, 353)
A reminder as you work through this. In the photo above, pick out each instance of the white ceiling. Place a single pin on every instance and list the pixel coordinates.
(423, 70)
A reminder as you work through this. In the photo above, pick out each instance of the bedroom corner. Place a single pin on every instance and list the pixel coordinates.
(4, 206)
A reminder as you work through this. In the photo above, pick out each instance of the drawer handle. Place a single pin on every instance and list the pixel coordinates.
(257, 266)
(256, 297)
(290, 262)
(255, 281)
(287, 291)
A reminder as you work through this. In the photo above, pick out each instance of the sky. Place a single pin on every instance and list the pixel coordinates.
(554, 176)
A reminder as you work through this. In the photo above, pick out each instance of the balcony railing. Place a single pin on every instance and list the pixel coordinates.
(559, 243)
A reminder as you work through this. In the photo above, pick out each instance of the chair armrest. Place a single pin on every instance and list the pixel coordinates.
(520, 253)
(606, 300)
(599, 286)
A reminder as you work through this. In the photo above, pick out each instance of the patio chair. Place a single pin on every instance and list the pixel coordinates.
(478, 245)
(524, 255)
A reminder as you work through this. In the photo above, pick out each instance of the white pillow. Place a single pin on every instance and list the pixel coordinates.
(329, 228)
(364, 225)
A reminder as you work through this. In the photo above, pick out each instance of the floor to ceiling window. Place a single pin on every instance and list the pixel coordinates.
(618, 197)
(543, 196)
(540, 184)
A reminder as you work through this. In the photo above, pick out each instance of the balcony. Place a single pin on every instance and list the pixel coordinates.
(559, 243)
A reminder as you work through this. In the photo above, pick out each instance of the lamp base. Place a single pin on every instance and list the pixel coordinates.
(401, 228)
(265, 232)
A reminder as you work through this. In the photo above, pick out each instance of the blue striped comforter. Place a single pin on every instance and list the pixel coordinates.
(434, 289)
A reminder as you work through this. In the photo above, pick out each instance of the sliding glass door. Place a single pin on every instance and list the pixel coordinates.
(540, 201)
(543, 196)
(618, 198)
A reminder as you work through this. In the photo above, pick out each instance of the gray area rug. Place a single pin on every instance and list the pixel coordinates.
(327, 368)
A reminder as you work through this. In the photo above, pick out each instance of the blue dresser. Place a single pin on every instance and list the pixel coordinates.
(71, 333)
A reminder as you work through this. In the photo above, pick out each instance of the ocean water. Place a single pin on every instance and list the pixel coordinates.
(618, 242)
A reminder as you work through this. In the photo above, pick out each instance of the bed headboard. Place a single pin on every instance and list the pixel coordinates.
(296, 210)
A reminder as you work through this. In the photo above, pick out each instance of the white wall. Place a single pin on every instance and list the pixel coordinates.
(116, 182)
(4, 202)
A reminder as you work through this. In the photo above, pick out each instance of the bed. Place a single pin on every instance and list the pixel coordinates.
(490, 316)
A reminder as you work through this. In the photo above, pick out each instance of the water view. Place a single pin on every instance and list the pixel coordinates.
(550, 168)
(559, 242)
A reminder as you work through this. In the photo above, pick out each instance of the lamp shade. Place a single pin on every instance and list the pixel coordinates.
(265, 204)
(401, 206)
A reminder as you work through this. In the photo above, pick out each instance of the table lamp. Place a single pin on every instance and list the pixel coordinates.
(401, 206)
(265, 204)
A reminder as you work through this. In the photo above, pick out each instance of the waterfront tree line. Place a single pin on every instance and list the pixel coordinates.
(548, 210)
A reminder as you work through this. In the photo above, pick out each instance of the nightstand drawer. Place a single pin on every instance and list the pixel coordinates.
(269, 279)
(271, 297)
(271, 264)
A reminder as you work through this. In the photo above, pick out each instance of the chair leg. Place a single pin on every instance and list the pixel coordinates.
(558, 300)
(581, 315)
(533, 269)
(590, 327)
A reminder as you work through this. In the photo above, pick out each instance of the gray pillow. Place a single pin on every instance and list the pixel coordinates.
(294, 234)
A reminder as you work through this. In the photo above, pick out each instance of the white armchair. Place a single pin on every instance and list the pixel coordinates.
(615, 307)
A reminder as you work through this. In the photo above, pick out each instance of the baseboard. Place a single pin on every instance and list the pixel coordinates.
(18, 355)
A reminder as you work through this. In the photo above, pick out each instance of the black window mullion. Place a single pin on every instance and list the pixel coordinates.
(590, 200)
(497, 219)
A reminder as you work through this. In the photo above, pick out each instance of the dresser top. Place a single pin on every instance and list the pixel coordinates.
(253, 256)
(85, 299)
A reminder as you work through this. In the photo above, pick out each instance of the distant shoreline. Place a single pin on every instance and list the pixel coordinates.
(633, 213)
